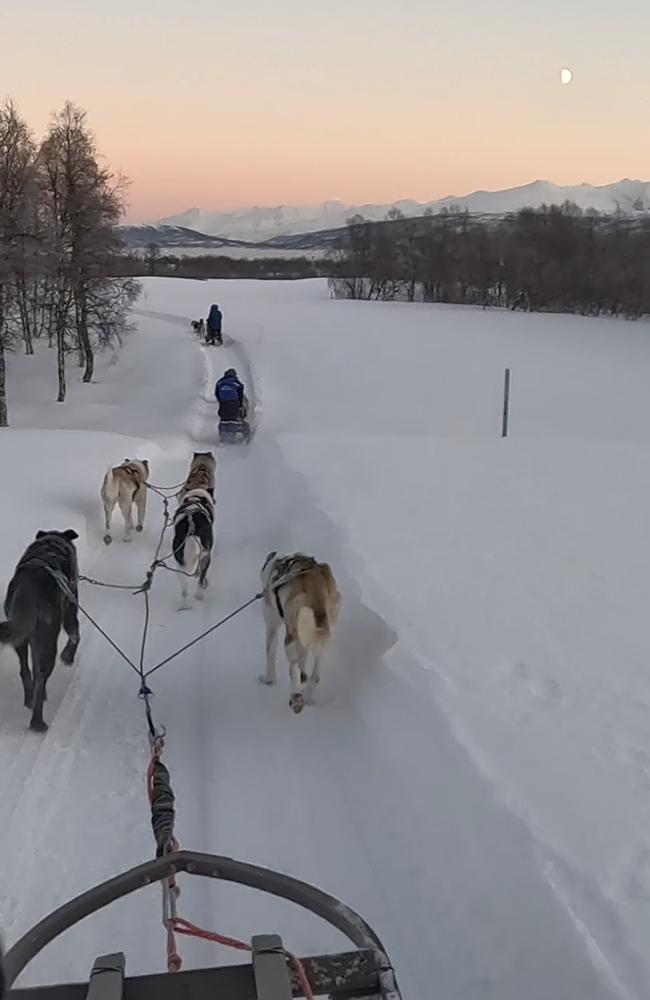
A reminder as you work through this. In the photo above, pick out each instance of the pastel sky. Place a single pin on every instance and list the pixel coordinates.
(224, 104)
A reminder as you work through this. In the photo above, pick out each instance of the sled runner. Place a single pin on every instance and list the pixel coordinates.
(271, 974)
(234, 432)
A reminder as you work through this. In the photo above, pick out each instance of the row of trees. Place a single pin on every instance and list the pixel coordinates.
(208, 266)
(59, 209)
(557, 259)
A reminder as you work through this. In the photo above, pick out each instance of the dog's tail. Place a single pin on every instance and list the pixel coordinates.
(22, 622)
(312, 626)
(192, 551)
(109, 486)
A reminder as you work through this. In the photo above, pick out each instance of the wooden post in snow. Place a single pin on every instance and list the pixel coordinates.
(506, 404)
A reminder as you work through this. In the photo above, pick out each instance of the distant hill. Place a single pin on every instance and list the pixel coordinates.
(261, 225)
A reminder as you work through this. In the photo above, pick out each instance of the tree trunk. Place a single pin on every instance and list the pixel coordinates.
(42, 304)
(60, 359)
(4, 418)
(23, 307)
(60, 313)
(81, 358)
(84, 336)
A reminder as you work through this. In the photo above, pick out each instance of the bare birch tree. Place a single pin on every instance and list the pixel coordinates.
(83, 206)
(16, 237)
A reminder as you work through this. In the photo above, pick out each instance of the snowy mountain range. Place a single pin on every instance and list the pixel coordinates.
(259, 224)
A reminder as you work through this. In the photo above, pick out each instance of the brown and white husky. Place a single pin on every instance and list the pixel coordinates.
(302, 595)
(125, 485)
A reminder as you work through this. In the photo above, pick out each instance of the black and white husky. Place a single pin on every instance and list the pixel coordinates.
(193, 541)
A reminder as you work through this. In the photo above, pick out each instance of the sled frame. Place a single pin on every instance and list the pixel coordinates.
(232, 430)
(364, 973)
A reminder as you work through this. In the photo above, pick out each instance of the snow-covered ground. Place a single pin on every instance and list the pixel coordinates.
(475, 779)
(236, 252)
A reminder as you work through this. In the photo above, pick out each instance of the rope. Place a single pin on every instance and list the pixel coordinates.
(63, 584)
(163, 814)
(145, 692)
(203, 635)
(181, 926)
(166, 491)
(161, 800)
(101, 583)
(174, 569)
(108, 638)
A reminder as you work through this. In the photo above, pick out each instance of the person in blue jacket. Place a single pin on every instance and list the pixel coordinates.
(231, 396)
(215, 320)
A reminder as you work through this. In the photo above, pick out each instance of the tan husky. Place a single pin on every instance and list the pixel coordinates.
(302, 594)
(125, 485)
(201, 475)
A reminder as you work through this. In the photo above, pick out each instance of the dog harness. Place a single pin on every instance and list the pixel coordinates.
(286, 570)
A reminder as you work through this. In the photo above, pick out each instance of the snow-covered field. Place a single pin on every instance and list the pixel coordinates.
(237, 253)
(475, 779)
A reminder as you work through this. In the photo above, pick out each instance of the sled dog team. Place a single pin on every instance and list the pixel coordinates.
(300, 595)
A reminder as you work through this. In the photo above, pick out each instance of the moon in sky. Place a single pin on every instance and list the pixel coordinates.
(566, 76)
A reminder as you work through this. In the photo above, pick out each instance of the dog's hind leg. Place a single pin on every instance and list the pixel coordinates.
(272, 632)
(43, 648)
(202, 585)
(140, 499)
(71, 626)
(109, 507)
(296, 672)
(22, 652)
(185, 604)
(126, 506)
(312, 681)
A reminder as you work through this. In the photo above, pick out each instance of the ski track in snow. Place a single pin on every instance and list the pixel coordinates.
(369, 795)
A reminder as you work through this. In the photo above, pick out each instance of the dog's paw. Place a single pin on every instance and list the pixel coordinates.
(107, 539)
(297, 703)
(139, 528)
(38, 726)
(67, 656)
(266, 680)
(29, 701)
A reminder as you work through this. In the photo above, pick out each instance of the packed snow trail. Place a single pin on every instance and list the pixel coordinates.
(367, 795)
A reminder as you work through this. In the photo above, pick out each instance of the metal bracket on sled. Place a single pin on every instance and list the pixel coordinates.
(272, 978)
(107, 978)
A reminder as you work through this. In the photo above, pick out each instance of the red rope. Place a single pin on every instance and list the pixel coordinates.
(177, 925)
(174, 960)
(181, 926)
